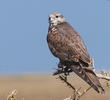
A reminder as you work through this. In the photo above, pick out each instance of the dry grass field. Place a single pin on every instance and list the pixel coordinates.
(45, 87)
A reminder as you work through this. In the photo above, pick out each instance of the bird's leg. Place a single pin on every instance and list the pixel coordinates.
(60, 66)
(60, 69)
(67, 70)
(63, 69)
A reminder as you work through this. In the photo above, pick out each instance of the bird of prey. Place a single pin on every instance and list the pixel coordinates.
(67, 45)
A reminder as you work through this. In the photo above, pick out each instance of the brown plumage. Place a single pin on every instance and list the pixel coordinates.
(67, 45)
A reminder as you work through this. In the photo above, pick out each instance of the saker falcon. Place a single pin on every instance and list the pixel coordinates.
(67, 45)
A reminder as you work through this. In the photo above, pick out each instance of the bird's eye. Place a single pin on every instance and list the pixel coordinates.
(56, 16)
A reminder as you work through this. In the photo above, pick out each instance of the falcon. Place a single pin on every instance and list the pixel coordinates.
(67, 45)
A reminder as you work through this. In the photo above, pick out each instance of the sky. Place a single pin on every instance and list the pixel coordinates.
(24, 27)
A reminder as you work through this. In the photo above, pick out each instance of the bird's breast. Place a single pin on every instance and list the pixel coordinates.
(53, 33)
(54, 36)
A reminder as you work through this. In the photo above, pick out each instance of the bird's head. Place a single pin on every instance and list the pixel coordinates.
(56, 18)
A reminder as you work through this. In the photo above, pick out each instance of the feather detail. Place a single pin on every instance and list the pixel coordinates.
(88, 76)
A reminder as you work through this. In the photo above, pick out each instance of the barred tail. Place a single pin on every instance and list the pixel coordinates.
(88, 76)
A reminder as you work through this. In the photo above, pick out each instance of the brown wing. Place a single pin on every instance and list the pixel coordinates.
(75, 42)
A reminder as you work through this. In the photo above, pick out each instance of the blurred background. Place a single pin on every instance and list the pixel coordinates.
(26, 63)
(24, 27)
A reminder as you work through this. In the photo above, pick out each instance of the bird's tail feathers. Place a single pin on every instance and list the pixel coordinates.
(88, 76)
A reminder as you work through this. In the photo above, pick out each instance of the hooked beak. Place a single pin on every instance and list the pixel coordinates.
(51, 19)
